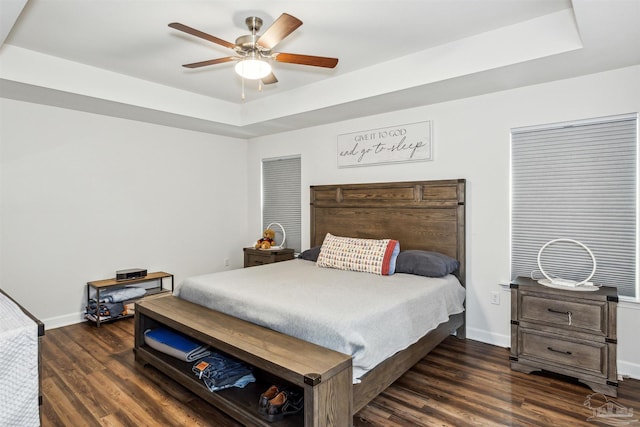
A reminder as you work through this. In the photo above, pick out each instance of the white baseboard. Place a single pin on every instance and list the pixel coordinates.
(629, 369)
(65, 320)
(488, 337)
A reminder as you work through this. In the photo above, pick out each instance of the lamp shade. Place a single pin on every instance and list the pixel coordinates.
(253, 69)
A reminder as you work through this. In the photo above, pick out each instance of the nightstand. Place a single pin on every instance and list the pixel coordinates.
(568, 332)
(253, 257)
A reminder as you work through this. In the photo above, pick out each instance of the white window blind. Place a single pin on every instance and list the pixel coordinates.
(281, 198)
(577, 181)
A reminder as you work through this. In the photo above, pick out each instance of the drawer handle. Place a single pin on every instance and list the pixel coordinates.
(564, 313)
(568, 353)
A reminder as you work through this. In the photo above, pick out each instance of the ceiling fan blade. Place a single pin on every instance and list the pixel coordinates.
(198, 33)
(210, 62)
(281, 28)
(316, 61)
(269, 79)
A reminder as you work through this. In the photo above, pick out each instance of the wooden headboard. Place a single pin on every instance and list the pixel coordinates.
(426, 215)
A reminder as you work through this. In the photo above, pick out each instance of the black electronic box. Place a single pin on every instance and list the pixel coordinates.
(131, 273)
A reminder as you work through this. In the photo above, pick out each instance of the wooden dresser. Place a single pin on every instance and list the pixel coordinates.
(568, 332)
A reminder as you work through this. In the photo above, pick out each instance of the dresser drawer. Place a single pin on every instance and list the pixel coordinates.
(582, 315)
(253, 260)
(254, 257)
(587, 357)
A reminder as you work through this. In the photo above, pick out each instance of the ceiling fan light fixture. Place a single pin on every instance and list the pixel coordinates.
(254, 52)
(253, 69)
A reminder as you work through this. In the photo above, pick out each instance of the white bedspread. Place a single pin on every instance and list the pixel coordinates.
(18, 366)
(367, 316)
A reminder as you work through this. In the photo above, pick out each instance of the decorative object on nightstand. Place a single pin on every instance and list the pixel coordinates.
(253, 256)
(268, 240)
(284, 235)
(566, 332)
(559, 282)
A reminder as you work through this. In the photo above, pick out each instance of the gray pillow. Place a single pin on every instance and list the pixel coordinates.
(425, 263)
(311, 254)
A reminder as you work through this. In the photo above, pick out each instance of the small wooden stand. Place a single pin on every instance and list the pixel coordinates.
(99, 285)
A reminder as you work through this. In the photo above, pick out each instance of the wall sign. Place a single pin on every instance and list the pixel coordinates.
(402, 143)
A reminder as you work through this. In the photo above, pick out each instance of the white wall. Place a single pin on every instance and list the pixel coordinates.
(84, 195)
(471, 140)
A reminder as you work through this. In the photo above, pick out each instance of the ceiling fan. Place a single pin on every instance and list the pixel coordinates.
(254, 52)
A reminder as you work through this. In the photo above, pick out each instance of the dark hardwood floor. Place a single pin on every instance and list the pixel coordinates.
(89, 378)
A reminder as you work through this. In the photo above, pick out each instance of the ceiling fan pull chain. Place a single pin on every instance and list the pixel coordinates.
(243, 88)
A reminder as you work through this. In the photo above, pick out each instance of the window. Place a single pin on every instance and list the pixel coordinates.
(577, 181)
(281, 198)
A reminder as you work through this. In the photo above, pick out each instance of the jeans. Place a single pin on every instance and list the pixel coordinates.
(219, 372)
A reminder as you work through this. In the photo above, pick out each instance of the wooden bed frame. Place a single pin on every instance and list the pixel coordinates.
(426, 215)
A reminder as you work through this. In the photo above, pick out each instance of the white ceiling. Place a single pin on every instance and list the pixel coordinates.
(120, 58)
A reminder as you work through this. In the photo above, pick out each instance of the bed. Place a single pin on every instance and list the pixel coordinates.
(421, 215)
(367, 316)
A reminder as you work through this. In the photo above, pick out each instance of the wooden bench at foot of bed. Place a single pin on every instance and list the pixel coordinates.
(324, 375)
